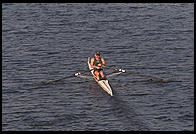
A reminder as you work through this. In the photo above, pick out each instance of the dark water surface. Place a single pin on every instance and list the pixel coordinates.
(48, 41)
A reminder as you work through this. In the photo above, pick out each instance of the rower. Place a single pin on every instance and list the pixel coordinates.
(97, 62)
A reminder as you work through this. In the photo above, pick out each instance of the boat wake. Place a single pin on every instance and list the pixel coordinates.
(128, 116)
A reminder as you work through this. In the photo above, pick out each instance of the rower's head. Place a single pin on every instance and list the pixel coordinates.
(97, 54)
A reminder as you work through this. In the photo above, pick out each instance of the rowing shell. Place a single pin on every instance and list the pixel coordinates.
(103, 83)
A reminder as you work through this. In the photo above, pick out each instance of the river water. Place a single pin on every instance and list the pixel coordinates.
(42, 42)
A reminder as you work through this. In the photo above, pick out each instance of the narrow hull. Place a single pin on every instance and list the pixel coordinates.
(103, 83)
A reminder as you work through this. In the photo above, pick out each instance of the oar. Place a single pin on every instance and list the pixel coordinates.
(48, 82)
(138, 74)
(54, 81)
(66, 77)
(117, 69)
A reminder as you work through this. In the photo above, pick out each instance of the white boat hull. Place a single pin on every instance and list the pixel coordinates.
(103, 83)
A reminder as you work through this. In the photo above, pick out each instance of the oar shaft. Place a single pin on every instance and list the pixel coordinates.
(136, 73)
(117, 69)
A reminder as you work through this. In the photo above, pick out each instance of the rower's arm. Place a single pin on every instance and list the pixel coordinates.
(92, 61)
(103, 61)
